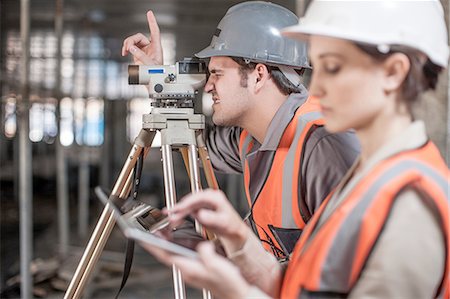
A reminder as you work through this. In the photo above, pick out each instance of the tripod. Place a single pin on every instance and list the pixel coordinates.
(180, 129)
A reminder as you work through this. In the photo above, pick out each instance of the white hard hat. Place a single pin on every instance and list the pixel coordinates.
(416, 24)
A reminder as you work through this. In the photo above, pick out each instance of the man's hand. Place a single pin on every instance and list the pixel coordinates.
(213, 210)
(145, 51)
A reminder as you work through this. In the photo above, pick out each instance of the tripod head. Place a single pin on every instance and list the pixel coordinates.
(171, 85)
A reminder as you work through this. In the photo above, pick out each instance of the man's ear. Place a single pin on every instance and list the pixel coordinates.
(261, 76)
(396, 68)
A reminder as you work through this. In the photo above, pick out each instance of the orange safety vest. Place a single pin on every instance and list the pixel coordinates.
(278, 203)
(332, 260)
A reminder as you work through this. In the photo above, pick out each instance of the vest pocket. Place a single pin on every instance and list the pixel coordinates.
(286, 237)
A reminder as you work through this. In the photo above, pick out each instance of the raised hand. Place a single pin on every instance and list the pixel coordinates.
(213, 210)
(145, 50)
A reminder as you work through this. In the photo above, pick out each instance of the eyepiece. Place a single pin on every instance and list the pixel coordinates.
(133, 74)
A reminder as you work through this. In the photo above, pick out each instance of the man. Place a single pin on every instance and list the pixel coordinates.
(266, 126)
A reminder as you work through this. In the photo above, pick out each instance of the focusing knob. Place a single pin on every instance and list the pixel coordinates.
(158, 88)
(171, 77)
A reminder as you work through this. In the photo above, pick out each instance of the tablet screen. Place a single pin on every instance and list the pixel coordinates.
(141, 224)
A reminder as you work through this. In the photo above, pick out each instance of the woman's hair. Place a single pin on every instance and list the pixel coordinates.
(283, 84)
(421, 77)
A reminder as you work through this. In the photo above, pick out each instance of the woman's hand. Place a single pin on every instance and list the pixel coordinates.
(210, 271)
(145, 50)
(212, 209)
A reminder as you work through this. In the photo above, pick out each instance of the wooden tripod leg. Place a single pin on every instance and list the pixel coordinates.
(185, 155)
(206, 162)
(106, 222)
(189, 155)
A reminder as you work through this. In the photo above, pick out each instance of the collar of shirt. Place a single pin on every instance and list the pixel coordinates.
(414, 136)
(281, 120)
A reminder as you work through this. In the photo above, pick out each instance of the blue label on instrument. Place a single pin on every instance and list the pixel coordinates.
(156, 71)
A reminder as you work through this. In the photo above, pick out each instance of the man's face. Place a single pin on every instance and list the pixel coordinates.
(231, 99)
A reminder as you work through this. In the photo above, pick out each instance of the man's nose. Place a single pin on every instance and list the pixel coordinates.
(209, 86)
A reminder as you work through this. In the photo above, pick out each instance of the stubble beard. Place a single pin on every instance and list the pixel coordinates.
(221, 121)
(220, 118)
(231, 117)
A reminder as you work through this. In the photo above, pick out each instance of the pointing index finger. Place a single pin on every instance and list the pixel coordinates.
(153, 26)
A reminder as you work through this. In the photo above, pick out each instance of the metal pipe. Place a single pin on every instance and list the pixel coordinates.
(169, 179)
(195, 187)
(193, 169)
(105, 167)
(83, 192)
(61, 167)
(170, 192)
(25, 159)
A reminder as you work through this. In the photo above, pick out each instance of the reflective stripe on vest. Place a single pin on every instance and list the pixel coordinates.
(277, 203)
(337, 253)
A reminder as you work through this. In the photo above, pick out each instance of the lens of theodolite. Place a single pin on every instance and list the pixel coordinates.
(133, 74)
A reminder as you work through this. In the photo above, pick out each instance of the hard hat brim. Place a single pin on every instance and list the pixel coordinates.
(209, 52)
(296, 32)
(303, 33)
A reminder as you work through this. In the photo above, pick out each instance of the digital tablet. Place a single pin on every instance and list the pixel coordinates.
(154, 235)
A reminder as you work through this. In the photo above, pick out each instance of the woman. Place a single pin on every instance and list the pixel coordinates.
(384, 231)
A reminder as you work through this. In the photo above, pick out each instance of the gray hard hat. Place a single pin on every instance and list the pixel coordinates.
(251, 30)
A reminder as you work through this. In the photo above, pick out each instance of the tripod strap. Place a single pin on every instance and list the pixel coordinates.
(130, 243)
(127, 267)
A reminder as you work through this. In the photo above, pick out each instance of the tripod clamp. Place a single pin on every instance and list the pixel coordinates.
(177, 125)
